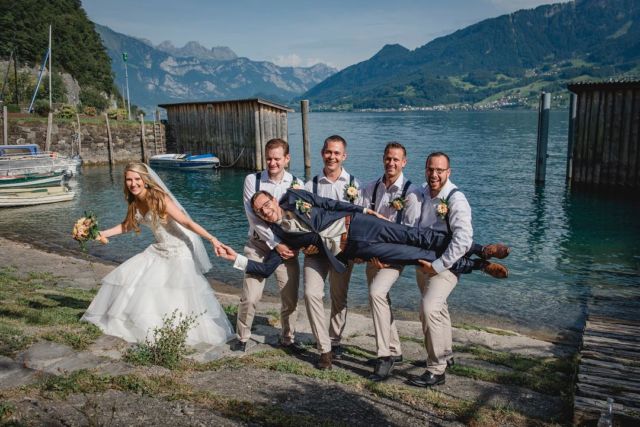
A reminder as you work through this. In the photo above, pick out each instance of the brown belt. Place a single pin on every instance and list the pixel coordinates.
(345, 235)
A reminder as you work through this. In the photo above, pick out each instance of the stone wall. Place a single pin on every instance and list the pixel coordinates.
(126, 137)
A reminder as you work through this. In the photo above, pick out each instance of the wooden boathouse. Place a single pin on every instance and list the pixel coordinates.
(604, 141)
(234, 130)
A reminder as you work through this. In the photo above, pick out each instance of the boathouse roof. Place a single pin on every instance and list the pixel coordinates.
(233, 101)
(621, 84)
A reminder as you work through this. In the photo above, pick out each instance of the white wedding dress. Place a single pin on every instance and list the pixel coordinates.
(136, 295)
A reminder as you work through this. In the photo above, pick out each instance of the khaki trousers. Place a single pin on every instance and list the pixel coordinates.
(380, 282)
(288, 278)
(434, 315)
(316, 269)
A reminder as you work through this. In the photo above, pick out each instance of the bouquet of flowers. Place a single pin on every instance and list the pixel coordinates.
(442, 209)
(85, 229)
(398, 203)
(350, 192)
(295, 185)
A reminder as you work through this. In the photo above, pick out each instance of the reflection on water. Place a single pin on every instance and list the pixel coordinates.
(565, 242)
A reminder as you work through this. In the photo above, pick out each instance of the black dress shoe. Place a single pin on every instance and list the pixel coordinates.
(294, 347)
(382, 369)
(427, 380)
(397, 360)
(239, 346)
(337, 351)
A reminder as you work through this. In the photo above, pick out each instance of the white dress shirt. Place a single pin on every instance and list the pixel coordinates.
(385, 195)
(334, 190)
(459, 222)
(257, 227)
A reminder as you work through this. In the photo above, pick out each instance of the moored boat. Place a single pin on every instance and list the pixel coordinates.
(32, 179)
(27, 158)
(184, 161)
(34, 196)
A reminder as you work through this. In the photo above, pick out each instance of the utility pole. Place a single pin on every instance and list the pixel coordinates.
(126, 80)
(50, 87)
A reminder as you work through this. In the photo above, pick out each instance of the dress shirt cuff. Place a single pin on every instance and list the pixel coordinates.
(272, 243)
(241, 262)
(438, 266)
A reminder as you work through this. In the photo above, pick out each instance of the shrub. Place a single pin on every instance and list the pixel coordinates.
(168, 346)
(117, 114)
(92, 97)
(41, 107)
(66, 111)
(90, 111)
(14, 108)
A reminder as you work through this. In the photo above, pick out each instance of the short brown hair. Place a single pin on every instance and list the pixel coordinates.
(395, 144)
(437, 154)
(334, 138)
(275, 143)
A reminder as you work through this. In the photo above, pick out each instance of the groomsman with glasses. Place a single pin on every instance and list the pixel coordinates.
(444, 209)
(275, 180)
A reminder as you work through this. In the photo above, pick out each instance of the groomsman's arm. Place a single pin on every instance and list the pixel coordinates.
(329, 204)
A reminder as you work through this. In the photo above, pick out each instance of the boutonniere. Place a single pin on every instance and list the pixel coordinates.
(350, 192)
(442, 209)
(295, 185)
(398, 203)
(304, 207)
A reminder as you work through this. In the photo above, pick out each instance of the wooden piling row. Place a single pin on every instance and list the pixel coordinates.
(605, 137)
(235, 131)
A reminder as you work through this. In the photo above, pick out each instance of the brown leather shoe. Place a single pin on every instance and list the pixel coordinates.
(325, 361)
(495, 250)
(496, 270)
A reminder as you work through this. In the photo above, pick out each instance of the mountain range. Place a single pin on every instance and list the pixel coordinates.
(166, 74)
(511, 57)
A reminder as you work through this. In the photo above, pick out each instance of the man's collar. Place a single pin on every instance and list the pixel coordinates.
(344, 176)
(444, 192)
(398, 182)
(286, 177)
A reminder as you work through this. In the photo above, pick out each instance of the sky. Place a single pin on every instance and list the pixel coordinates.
(338, 33)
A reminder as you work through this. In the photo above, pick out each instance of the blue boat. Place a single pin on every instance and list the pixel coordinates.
(184, 161)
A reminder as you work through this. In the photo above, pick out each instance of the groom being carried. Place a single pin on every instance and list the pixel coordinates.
(343, 231)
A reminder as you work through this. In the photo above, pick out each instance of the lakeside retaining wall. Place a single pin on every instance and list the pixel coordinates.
(126, 137)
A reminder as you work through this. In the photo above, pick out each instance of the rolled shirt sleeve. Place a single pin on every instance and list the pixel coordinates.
(461, 233)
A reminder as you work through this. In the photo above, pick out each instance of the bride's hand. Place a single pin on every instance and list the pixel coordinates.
(226, 252)
(100, 238)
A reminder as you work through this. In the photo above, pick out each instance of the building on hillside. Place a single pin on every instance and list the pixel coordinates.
(235, 130)
(604, 141)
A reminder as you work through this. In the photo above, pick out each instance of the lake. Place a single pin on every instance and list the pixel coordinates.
(565, 243)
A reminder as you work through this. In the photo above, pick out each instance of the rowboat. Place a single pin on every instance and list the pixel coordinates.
(34, 196)
(32, 179)
(184, 161)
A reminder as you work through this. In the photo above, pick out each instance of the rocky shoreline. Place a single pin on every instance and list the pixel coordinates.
(496, 378)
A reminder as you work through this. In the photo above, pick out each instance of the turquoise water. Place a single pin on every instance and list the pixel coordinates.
(566, 243)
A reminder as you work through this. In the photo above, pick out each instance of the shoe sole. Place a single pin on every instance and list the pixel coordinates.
(426, 385)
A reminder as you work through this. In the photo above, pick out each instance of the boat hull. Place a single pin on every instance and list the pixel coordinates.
(184, 162)
(37, 196)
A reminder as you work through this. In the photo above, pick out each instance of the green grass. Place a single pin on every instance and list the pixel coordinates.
(34, 307)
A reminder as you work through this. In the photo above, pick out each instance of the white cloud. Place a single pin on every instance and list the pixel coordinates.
(294, 60)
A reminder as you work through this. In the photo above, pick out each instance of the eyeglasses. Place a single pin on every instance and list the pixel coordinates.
(266, 205)
(439, 171)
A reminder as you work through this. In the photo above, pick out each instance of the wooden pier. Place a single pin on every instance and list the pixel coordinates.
(610, 361)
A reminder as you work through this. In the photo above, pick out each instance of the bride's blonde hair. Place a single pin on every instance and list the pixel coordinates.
(155, 197)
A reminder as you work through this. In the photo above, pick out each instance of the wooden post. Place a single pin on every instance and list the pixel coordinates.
(145, 157)
(156, 130)
(573, 107)
(5, 125)
(79, 136)
(304, 109)
(257, 163)
(543, 136)
(109, 142)
(47, 143)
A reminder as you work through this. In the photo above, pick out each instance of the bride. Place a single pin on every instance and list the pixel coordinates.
(167, 276)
